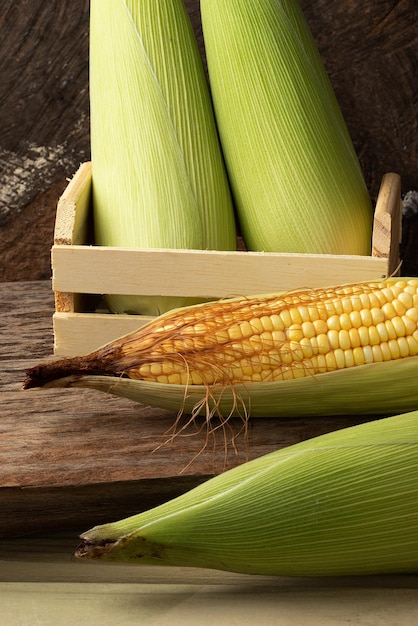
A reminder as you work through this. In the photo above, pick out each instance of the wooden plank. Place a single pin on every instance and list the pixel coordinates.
(387, 231)
(178, 604)
(202, 274)
(74, 458)
(80, 333)
(72, 224)
(72, 220)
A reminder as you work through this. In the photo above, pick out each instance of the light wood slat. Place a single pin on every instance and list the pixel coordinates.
(107, 604)
(91, 269)
(387, 231)
(80, 333)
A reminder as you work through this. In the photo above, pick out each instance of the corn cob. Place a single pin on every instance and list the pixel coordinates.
(345, 503)
(302, 352)
(295, 176)
(159, 179)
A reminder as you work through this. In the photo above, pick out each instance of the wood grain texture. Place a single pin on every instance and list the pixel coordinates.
(45, 124)
(370, 50)
(71, 459)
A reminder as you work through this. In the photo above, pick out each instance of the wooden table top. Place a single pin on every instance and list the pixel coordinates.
(73, 459)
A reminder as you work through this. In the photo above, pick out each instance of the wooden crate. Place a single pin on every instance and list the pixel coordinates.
(82, 272)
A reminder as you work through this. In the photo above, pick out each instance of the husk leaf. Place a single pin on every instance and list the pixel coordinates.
(345, 503)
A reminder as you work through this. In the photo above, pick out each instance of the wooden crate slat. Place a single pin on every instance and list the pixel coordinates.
(96, 269)
(80, 333)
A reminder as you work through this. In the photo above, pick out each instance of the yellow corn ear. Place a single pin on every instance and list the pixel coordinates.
(345, 503)
(346, 349)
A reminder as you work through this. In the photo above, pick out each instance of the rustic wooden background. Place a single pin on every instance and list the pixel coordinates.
(370, 50)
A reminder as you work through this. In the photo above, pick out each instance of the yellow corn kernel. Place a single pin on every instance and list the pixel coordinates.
(349, 358)
(374, 337)
(411, 314)
(377, 316)
(394, 348)
(340, 358)
(295, 316)
(389, 310)
(399, 307)
(413, 345)
(308, 330)
(358, 355)
(344, 338)
(333, 338)
(364, 336)
(267, 322)
(306, 347)
(286, 318)
(331, 361)
(234, 332)
(386, 353)
(278, 337)
(320, 326)
(345, 321)
(355, 337)
(333, 322)
(368, 354)
(382, 331)
(403, 347)
(377, 354)
(347, 305)
(387, 292)
(390, 329)
(256, 325)
(399, 326)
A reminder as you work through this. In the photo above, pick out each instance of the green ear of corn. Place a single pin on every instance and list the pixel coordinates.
(377, 388)
(159, 179)
(295, 176)
(345, 503)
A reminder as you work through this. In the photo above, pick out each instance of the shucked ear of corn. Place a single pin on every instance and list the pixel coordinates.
(296, 179)
(159, 179)
(345, 503)
(340, 350)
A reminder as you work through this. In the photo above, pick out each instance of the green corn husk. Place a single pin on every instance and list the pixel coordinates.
(159, 179)
(345, 503)
(374, 389)
(295, 175)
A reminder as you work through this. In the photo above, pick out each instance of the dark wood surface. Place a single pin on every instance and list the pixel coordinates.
(70, 459)
(370, 50)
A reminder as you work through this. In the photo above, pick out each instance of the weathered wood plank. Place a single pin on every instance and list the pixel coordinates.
(73, 458)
